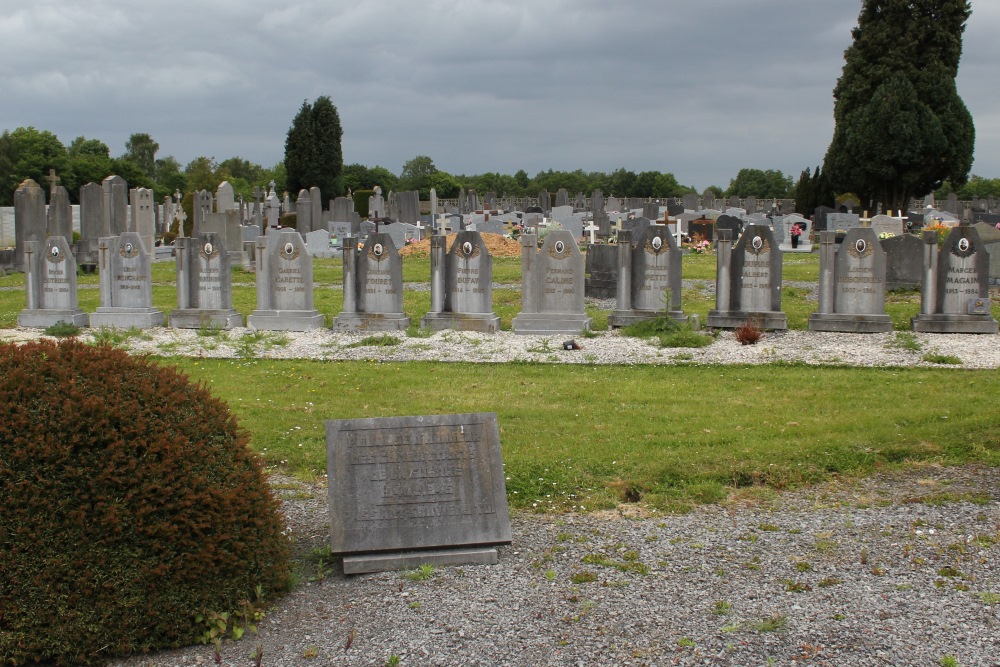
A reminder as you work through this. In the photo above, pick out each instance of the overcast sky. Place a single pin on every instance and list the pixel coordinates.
(699, 88)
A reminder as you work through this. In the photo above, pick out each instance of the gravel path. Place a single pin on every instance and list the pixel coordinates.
(892, 570)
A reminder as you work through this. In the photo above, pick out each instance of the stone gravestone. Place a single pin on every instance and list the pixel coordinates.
(562, 197)
(461, 285)
(225, 197)
(373, 286)
(143, 220)
(649, 277)
(552, 281)
(126, 285)
(50, 282)
(851, 284)
(409, 207)
(272, 212)
(91, 224)
(227, 226)
(952, 206)
(751, 204)
(955, 294)
(316, 197)
(793, 242)
(60, 214)
(600, 215)
(341, 230)
(990, 236)
(29, 219)
(343, 210)
(690, 202)
(634, 226)
(303, 213)
(651, 210)
(820, 221)
(115, 189)
(730, 222)
(884, 224)
(404, 491)
(318, 244)
(904, 261)
(203, 205)
(748, 281)
(204, 284)
(284, 284)
(544, 201)
(842, 222)
(601, 268)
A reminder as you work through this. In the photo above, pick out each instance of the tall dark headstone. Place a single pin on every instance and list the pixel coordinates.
(60, 214)
(91, 224)
(904, 261)
(29, 219)
(649, 277)
(851, 284)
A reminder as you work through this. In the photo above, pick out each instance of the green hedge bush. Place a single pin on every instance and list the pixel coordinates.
(129, 503)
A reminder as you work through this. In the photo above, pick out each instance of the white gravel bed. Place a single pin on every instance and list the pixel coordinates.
(893, 570)
(610, 347)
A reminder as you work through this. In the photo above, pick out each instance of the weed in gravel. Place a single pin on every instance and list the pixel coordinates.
(795, 586)
(748, 333)
(825, 545)
(905, 340)
(118, 337)
(989, 599)
(827, 582)
(583, 577)
(311, 652)
(773, 623)
(416, 331)
(62, 330)
(392, 661)
(864, 555)
(948, 661)
(625, 566)
(949, 571)
(381, 340)
(721, 608)
(550, 575)
(768, 527)
(803, 566)
(422, 573)
(686, 642)
(936, 358)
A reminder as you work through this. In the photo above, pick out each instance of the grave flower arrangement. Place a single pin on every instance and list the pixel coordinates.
(796, 230)
(699, 245)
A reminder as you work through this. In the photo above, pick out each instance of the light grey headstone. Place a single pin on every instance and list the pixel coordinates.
(284, 284)
(462, 292)
(50, 282)
(690, 202)
(613, 205)
(403, 485)
(204, 284)
(653, 274)
(126, 279)
(249, 233)
(316, 197)
(318, 244)
(343, 210)
(375, 276)
(225, 197)
(203, 205)
(227, 226)
(562, 197)
(851, 284)
(789, 244)
(491, 226)
(750, 280)
(115, 190)
(955, 291)
(143, 220)
(552, 286)
(272, 211)
(884, 224)
(341, 230)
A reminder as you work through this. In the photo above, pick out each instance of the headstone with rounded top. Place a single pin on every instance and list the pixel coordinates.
(461, 285)
(649, 277)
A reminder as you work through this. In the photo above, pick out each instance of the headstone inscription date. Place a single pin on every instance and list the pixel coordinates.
(410, 490)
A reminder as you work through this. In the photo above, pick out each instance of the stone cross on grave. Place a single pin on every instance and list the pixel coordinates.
(104, 253)
(257, 194)
(181, 217)
(271, 184)
(592, 228)
(439, 221)
(53, 180)
(420, 231)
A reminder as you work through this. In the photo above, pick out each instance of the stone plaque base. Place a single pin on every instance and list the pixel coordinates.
(801, 247)
(732, 319)
(850, 323)
(285, 320)
(196, 318)
(979, 324)
(481, 322)
(43, 318)
(371, 322)
(411, 559)
(535, 324)
(126, 318)
(623, 318)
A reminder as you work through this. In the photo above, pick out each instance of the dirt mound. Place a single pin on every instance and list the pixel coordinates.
(497, 244)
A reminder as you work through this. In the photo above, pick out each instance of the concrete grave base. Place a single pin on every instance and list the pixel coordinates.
(481, 322)
(733, 319)
(371, 322)
(623, 318)
(126, 318)
(940, 323)
(43, 318)
(534, 324)
(196, 318)
(802, 247)
(850, 323)
(412, 559)
(285, 320)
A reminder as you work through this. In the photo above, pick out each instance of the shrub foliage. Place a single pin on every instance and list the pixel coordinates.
(130, 503)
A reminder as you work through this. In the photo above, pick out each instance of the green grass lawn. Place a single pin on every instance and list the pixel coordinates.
(590, 436)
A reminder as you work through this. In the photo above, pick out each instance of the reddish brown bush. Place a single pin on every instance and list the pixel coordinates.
(129, 502)
(748, 333)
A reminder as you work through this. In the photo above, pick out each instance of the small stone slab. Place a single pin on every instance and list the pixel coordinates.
(414, 559)
(415, 483)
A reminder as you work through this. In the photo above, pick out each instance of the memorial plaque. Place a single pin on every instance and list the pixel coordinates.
(409, 483)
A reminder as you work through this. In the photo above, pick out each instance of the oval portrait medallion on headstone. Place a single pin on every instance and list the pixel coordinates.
(128, 250)
(657, 243)
(758, 245)
(207, 250)
(289, 251)
(54, 254)
(468, 250)
(378, 249)
(860, 249)
(963, 248)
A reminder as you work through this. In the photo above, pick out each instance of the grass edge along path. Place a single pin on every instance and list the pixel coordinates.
(580, 438)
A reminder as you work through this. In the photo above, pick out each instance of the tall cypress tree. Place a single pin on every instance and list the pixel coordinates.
(901, 127)
(313, 154)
